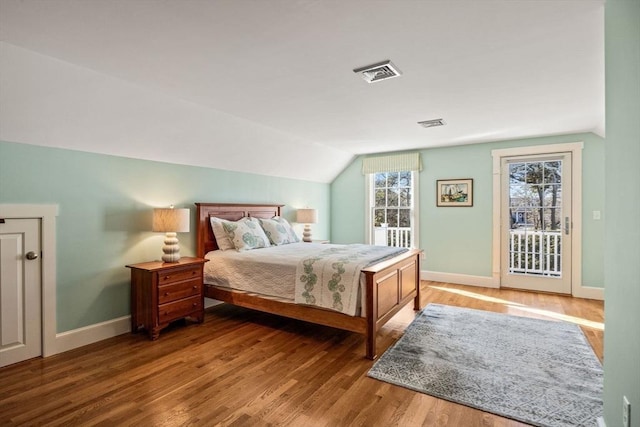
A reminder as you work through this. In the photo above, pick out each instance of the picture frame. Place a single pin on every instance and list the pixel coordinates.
(454, 192)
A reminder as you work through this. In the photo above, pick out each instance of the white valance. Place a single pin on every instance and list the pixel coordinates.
(392, 163)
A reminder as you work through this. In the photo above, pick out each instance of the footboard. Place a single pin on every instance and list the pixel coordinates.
(390, 286)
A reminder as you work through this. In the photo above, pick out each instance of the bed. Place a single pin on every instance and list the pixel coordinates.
(389, 285)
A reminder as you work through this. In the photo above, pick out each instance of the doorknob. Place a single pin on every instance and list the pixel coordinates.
(32, 255)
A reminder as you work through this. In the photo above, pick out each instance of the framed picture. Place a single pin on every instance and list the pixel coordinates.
(454, 192)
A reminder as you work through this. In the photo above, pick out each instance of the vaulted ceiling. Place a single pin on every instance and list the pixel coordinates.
(268, 86)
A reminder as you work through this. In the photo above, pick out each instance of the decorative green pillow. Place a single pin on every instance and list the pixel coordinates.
(221, 236)
(293, 237)
(276, 232)
(246, 234)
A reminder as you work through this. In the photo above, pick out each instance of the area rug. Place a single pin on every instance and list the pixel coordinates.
(536, 371)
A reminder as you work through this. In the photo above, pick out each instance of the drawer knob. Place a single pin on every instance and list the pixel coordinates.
(167, 277)
(195, 304)
(195, 287)
(166, 294)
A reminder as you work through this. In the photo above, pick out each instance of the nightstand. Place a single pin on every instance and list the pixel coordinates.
(162, 292)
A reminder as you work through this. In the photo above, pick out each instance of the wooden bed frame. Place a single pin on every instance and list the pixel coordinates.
(390, 285)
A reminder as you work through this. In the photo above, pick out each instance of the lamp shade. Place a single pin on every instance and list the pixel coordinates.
(171, 220)
(307, 216)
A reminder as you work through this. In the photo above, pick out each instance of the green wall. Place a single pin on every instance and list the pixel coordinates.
(448, 235)
(622, 244)
(105, 205)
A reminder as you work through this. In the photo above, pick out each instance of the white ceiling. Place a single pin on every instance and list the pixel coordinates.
(267, 86)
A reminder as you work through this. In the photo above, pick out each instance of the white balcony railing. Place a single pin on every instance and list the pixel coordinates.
(530, 251)
(535, 252)
(392, 236)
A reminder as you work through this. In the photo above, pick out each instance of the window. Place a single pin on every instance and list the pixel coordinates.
(392, 199)
(392, 210)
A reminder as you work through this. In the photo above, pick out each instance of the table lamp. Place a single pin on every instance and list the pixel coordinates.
(171, 221)
(307, 216)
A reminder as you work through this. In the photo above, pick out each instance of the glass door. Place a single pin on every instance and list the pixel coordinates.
(536, 223)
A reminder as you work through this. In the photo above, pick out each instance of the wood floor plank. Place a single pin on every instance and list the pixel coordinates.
(244, 368)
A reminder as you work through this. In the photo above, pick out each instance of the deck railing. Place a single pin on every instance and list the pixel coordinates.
(535, 252)
(393, 236)
(530, 251)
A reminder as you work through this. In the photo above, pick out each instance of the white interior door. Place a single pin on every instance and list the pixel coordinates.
(536, 235)
(20, 290)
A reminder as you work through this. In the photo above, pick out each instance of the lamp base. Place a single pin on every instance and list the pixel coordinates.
(171, 248)
(306, 234)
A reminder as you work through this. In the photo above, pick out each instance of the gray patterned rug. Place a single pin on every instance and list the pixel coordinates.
(535, 371)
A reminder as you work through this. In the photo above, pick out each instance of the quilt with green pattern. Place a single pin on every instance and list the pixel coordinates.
(331, 278)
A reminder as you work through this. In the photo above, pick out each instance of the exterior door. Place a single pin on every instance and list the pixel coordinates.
(20, 290)
(536, 223)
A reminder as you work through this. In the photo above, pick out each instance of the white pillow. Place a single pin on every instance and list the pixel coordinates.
(276, 232)
(293, 237)
(246, 234)
(222, 239)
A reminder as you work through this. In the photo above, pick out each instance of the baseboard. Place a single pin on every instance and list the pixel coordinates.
(601, 422)
(86, 335)
(491, 282)
(589, 293)
(458, 279)
(69, 340)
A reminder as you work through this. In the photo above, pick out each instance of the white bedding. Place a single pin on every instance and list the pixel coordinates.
(332, 278)
(273, 272)
(268, 271)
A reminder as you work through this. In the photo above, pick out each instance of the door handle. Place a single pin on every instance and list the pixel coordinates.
(32, 255)
(566, 225)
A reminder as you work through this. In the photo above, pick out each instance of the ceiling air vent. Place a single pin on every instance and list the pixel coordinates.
(377, 72)
(432, 123)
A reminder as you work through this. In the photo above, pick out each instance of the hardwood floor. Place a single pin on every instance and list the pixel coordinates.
(242, 368)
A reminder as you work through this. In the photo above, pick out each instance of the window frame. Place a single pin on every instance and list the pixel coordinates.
(413, 208)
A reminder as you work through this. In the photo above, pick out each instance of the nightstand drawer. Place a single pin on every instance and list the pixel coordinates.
(176, 291)
(178, 309)
(178, 275)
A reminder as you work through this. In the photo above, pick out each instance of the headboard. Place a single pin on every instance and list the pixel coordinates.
(232, 212)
